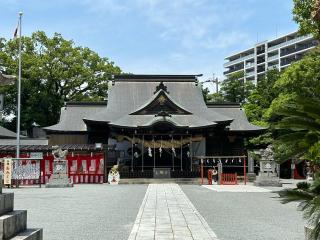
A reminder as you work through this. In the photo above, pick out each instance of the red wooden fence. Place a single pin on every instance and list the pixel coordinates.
(228, 179)
(81, 169)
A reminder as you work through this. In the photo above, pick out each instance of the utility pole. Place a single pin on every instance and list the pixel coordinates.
(214, 81)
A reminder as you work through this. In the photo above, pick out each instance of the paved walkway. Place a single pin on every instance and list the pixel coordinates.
(236, 188)
(167, 213)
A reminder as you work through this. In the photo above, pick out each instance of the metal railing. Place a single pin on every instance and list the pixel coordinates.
(238, 60)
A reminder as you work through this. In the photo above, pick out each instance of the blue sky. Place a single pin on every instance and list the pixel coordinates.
(155, 36)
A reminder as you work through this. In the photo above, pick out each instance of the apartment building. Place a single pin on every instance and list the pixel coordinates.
(277, 53)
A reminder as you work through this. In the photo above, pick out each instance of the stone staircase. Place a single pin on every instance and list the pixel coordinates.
(13, 223)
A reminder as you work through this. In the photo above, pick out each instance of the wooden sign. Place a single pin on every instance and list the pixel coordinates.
(7, 171)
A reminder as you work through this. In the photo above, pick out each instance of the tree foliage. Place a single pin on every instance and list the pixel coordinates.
(305, 14)
(235, 89)
(258, 104)
(300, 127)
(54, 71)
(308, 197)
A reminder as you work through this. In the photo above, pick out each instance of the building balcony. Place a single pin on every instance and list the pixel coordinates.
(238, 60)
(249, 74)
(272, 58)
(249, 65)
(232, 71)
(306, 47)
(287, 43)
(273, 67)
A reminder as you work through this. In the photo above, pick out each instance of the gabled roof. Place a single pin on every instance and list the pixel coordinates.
(131, 93)
(5, 133)
(233, 110)
(160, 98)
(72, 114)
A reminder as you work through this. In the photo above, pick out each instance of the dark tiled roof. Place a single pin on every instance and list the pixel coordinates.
(233, 110)
(72, 114)
(125, 97)
(155, 78)
(5, 133)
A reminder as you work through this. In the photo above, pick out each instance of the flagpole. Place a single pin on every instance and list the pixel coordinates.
(19, 91)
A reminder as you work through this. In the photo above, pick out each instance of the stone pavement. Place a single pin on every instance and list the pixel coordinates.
(167, 213)
(247, 215)
(236, 188)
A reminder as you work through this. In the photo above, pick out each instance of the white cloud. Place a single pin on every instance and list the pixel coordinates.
(102, 7)
(194, 23)
(228, 39)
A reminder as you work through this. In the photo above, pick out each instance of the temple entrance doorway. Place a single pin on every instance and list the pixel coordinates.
(151, 151)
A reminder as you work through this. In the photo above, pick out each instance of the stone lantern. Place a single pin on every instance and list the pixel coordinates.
(268, 175)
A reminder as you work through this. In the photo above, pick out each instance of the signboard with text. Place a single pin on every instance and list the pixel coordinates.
(7, 171)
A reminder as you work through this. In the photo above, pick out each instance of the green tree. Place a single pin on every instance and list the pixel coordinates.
(307, 14)
(261, 98)
(300, 80)
(54, 71)
(300, 127)
(235, 89)
(258, 104)
(308, 197)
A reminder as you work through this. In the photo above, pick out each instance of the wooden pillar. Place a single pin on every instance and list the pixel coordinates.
(181, 154)
(172, 154)
(190, 149)
(142, 152)
(132, 153)
(244, 171)
(154, 154)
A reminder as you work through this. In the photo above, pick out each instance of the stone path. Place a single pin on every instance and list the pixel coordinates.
(167, 213)
(236, 188)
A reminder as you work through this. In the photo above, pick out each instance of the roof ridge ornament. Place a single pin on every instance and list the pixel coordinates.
(161, 86)
(163, 113)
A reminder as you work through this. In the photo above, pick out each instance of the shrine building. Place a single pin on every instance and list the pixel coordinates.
(156, 122)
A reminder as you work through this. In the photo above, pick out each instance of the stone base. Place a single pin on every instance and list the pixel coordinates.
(6, 203)
(59, 181)
(251, 177)
(267, 179)
(307, 233)
(30, 234)
(13, 223)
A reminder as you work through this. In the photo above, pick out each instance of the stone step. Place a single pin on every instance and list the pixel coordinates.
(30, 234)
(6, 203)
(13, 223)
(195, 181)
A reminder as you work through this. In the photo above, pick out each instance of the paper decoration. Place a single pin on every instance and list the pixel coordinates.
(136, 155)
(149, 152)
(160, 151)
(173, 151)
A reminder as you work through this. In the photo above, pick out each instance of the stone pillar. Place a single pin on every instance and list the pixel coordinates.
(220, 170)
(251, 175)
(13, 223)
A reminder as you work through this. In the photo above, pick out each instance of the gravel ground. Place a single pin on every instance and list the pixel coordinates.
(95, 212)
(247, 216)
